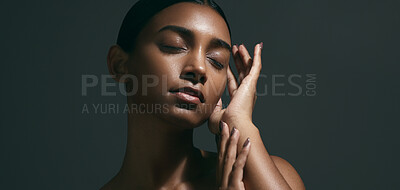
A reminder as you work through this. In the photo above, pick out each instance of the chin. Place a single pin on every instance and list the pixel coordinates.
(184, 118)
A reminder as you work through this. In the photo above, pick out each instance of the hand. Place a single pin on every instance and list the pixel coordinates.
(242, 91)
(230, 165)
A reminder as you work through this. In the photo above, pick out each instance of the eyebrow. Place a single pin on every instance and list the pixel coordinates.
(186, 32)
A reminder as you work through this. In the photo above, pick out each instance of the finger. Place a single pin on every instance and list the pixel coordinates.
(218, 107)
(238, 63)
(217, 140)
(256, 67)
(230, 156)
(238, 166)
(223, 139)
(246, 60)
(236, 58)
(213, 121)
(232, 83)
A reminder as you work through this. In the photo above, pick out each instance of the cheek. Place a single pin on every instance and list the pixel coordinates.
(216, 86)
(152, 62)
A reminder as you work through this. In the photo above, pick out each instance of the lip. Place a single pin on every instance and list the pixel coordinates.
(189, 94)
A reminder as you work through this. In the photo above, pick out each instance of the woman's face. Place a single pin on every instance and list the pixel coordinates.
(185, 46)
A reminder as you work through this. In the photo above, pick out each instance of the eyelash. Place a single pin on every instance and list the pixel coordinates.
(219, 65)
(173, 49)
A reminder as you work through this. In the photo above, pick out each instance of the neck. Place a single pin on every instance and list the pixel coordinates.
(158, 154)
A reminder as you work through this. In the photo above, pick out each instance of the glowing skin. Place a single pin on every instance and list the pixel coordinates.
(188, 44)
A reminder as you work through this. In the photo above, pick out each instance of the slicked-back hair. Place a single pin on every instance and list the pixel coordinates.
(142, 11)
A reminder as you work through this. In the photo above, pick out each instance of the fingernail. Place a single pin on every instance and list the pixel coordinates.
(233, 131)
(246, 143)
(261, 45)
(220, 126)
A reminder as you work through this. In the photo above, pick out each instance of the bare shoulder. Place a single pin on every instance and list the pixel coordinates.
(288, 172)
(285, 168)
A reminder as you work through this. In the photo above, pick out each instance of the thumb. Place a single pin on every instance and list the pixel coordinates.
(218, 107)
(215, 117)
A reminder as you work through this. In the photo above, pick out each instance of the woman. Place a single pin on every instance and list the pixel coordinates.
(174, 55)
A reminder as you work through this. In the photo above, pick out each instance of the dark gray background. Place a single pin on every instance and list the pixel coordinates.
(343, 138)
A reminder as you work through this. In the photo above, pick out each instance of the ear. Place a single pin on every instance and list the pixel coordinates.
(117, 61)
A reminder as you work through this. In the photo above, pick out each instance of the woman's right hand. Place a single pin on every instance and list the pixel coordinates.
(230, 164)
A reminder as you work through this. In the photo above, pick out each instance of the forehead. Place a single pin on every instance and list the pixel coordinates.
(200, 19)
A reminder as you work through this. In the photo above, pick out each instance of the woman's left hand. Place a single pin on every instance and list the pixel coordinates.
(230, 162)
(242, 91)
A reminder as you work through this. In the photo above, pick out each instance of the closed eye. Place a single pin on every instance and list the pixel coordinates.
(218, 64)
(172, 49)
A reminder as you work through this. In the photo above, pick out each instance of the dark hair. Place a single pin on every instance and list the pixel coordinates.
(142, 11)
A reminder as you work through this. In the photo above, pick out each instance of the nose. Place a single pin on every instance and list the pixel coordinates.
(195, 70)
